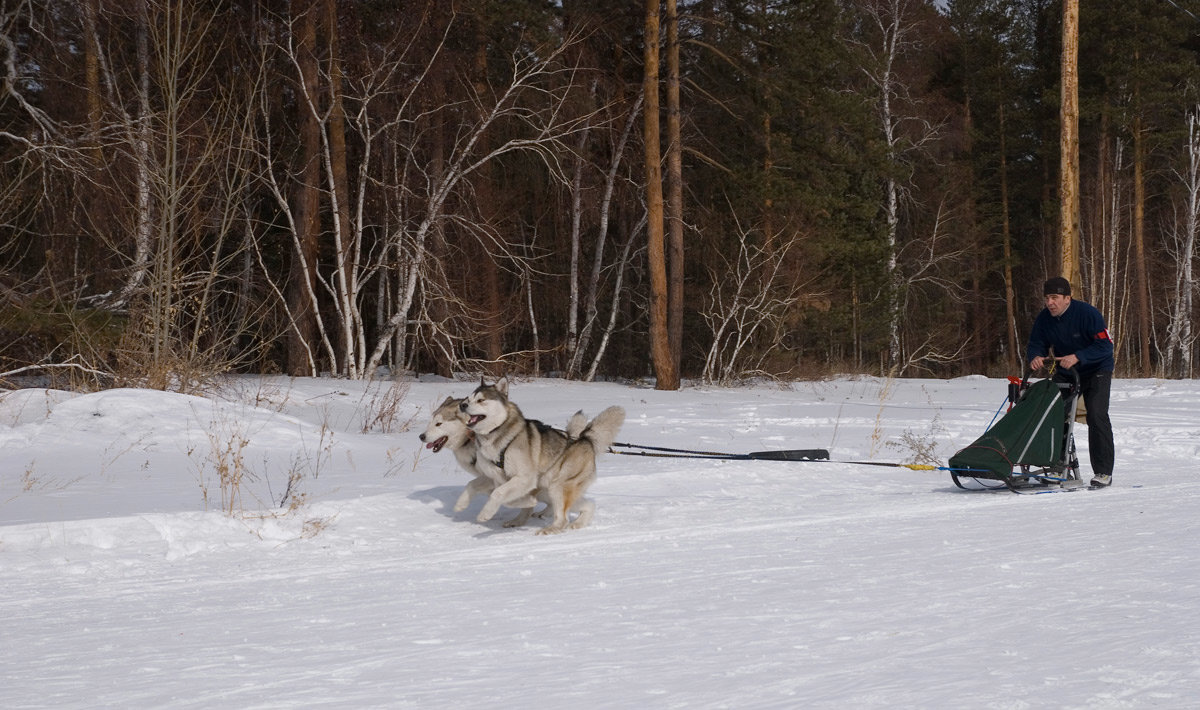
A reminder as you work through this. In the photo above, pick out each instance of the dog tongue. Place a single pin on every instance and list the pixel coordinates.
(475, 419)
(437, 444)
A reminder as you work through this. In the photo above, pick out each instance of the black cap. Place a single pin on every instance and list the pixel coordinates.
(1057, 285)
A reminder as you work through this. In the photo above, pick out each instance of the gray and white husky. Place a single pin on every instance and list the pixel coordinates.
(534, 459)
(448, 429)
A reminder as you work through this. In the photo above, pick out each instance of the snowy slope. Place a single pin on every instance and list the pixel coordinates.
(126, 582)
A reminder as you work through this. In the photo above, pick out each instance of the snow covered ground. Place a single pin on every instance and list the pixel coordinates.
(137, 570)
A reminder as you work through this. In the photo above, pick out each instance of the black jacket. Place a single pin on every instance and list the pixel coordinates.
(1079, 331)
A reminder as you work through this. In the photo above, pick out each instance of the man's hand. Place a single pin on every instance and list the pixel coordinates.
(1066, 361)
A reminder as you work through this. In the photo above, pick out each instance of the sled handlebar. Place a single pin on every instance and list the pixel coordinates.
(1052, 370)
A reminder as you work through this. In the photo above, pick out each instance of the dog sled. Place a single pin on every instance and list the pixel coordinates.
(1032, 445)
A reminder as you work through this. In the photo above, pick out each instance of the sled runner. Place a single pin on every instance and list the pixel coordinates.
(1033, 444)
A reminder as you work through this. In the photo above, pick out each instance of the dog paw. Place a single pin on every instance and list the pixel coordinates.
(552, 530)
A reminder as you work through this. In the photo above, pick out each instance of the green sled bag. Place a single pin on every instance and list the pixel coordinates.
(1031, 434)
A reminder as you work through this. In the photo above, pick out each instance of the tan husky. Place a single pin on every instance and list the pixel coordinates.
(534, 459)
(448, 429)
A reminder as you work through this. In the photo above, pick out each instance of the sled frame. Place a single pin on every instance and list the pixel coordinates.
(1063, 473)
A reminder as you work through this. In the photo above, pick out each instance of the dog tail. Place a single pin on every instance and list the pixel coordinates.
(602, 431)
(576, 424)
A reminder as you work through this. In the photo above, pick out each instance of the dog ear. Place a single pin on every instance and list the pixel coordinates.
(448, 401)
(502, 385)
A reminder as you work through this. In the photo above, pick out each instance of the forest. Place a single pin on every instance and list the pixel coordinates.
(585, 189)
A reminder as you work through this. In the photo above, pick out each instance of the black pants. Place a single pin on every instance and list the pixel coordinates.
(1095, 389)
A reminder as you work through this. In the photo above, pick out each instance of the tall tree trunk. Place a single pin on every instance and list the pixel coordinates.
(439, 251)
(573, 338)
(977, 358)
(91, 64)
(1069, 145)
(660, 347)
(492, 306)
(164, 262)
(674, 194)
(890, 21)
(302, 273)
(1178, 350)
(1010, 309)
(141, 137)
(1140, 277)
(346, 257)
(1107, 216)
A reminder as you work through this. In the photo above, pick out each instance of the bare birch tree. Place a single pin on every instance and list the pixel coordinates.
(896, 33)
(135, 127)
(617, 294)
(535, 99)
(166, 115)
(1178, 350)
(748, 303)
(591, 293)
(33, 142)
(576, 237)
(390, 126)
(931, 262)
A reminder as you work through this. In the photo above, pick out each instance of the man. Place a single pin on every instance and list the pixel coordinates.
(1079, 338)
